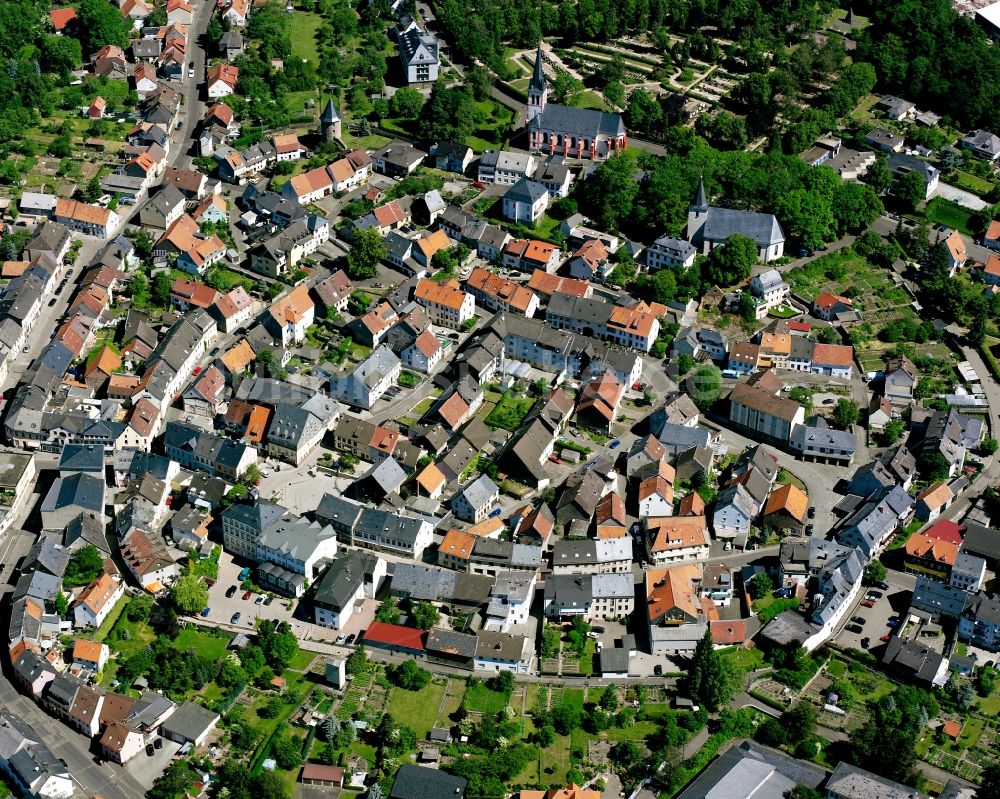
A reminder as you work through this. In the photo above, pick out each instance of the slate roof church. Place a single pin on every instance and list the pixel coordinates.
(708, 227)
(570, 132)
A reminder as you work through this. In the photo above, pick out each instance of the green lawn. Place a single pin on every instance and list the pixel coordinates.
(208, 646)
(946, 212)
(208, 567)
(111, 619)
(591, 99)
(418, 710)
(545, 230)
(304, 25)
(302, 661)
(482, 699)
(973, 183)
(743, 659)
(509, 413)
(836, 668)
(636, 732)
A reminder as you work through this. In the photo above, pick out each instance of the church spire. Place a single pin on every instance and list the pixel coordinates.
(701, 200)
(538, 76)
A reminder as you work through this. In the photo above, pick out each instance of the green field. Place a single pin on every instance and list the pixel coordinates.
(509, 413)
(418, 710)
(481, 699)
(208, 646)
(973, 183)
(304, 25)
(946, 212)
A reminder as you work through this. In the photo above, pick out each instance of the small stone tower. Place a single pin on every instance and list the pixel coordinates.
(697, 212)
(329, 122)
(538, 88)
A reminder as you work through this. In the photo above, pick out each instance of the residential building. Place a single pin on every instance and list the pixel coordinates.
(593, 597)
(365, 384)
(476, 500)
(351, 578)
(446, 303)
(418, 53)
(525, 201)
(668, 252)
(772, 417)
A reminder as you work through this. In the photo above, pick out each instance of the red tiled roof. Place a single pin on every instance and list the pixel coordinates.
(61, 17)
(945, 530)
(395, 635)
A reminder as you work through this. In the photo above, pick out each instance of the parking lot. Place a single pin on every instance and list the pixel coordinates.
(892, 603)
(146, 768)
(222, 608)
(294, 487)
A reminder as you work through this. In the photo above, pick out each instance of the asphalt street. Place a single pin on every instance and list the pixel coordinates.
(94, 776)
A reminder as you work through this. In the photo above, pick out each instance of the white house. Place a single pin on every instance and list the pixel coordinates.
(770, 290)
(353, 577)
(474, 502)
(496, 652)
(96, 601)
(369, 380)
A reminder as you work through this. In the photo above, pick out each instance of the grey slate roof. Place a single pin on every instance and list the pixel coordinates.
(423, 582)
(338, 585)
(722, 223)
(585, 122)
(416, 782)
(526, 191)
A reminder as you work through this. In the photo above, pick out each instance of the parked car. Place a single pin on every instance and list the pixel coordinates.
(149, 750)
(658, 670)
(865, 643)
(259, 600)
(875, 594)
(892, 623)
(158, 743)
(812, 511)
(210, 582)
(247, 595)
(614, 444)
(854, 628)
(268, 600)
(205, 612)
(883, 585)
(231, 591)
(867, 603)
(885, 637)
(495, 513)
(350, 639)
(858, 619)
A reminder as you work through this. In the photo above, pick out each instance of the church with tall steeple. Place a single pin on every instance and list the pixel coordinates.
(571, 132)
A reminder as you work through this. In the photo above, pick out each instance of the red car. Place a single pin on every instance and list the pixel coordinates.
(210, 582)
(867, 603)
(555, 458)
(885, 638)
(479, 184)
(247, 594)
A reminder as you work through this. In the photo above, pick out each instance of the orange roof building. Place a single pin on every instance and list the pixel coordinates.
(446, 303)
(789, 500)
(572, 791)
(671, 539)
(455, 550)
(548, 284)
(499, 294)
(63, 18)
(432, 481)
(239, 357)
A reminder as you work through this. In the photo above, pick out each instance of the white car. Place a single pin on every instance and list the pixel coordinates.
(266, 472)
(190, 72)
